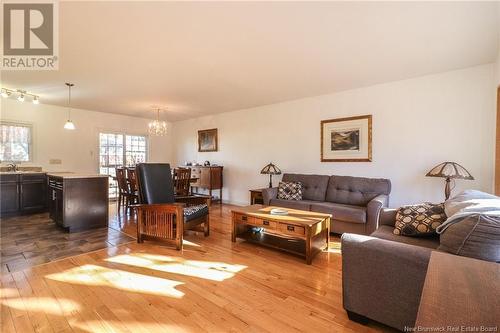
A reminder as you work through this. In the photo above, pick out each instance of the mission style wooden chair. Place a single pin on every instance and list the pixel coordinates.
(160, 214)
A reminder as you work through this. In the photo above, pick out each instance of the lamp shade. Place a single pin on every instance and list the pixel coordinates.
(270, 169)
(450, 170)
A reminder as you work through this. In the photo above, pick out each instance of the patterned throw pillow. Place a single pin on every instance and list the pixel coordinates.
(419, 220)
(290, 191)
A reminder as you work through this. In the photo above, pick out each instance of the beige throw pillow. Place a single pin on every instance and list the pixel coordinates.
(419, 220)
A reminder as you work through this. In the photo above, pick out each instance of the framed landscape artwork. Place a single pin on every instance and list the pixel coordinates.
(346, 139)
(207, 140)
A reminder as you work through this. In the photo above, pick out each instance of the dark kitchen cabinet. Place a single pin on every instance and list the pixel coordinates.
(23, 193)
(56, 200)
(78, 202)
(9, 192)
(33, 193)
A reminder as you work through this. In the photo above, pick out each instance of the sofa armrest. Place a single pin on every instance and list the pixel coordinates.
(387, 216)
(268, 194)
(373, 211)
(383, 280)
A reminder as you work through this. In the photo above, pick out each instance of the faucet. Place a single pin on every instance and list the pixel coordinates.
(12, 167)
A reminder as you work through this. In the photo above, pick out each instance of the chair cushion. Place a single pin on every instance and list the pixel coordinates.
(356, 191)
(290, 191)
(194, 212)
(313, 186)
(154, 181)
(385, 232)
(419, 220)
(293, 204)
(346, 213)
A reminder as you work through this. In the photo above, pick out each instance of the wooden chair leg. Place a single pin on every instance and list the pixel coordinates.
(206, 226)
(127, 204)
(119, 202)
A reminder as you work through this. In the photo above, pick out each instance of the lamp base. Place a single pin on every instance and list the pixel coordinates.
(270, 181)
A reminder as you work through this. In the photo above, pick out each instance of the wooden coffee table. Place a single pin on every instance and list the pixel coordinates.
(300, 232)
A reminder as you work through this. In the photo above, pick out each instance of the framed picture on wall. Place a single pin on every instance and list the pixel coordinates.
(207, 140)
(346, 139)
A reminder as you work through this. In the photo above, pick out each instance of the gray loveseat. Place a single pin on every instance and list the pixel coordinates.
(354, 202)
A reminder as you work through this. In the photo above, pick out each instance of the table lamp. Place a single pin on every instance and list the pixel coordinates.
(270, 170)
(449, 170)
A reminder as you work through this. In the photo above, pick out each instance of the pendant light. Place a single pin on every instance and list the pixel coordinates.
(69, 124)
(157, 127)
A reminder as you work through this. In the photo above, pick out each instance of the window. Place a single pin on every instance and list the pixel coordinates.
(15, 142)
(119, 149)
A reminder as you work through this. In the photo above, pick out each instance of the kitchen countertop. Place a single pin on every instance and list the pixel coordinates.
(64, 175)
(21, 172)
(72, 175)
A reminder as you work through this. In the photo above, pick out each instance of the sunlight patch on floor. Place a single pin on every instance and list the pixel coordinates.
(188, 243)
(8, 292)
(209, 270)
(105, 327)
(93, 275)
(334, 247)
(45, 304)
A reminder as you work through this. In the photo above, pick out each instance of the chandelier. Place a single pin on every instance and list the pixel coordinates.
(158, 127)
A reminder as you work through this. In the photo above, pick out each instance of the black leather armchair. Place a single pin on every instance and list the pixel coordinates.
(160, 214)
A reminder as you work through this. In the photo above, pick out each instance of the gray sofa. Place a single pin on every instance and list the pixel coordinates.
(354, 202)
(383, 274)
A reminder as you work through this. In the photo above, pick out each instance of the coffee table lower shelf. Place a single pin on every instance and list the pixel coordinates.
(291, 245)
(300, 233)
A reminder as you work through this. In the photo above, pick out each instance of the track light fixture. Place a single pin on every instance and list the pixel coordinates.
(20, 98)
(5, 93)
(21, 95)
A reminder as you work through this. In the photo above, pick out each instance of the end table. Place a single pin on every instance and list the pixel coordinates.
(256, 196)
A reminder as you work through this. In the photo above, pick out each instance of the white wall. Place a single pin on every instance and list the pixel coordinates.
(77, 149)
(417, 124)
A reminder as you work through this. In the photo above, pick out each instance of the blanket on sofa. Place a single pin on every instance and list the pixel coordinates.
(468, 203)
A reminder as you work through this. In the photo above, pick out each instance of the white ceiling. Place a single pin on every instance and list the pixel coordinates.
(208, 57)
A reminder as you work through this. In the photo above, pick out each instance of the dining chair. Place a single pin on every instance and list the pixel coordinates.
(125, 194)
(182, 178)
(160, 214)
(132, 180)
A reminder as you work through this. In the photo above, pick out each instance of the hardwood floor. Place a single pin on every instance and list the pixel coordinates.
(213, 285)
(35, 239)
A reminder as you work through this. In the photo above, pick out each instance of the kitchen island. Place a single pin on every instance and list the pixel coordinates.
(78, 201)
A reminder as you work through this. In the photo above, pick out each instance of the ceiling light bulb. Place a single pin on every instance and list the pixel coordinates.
(69, 125)
(5, 93)
(36, 100)
(21, 98)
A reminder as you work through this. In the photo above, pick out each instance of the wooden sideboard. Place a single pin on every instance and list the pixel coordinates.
(208, 178)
